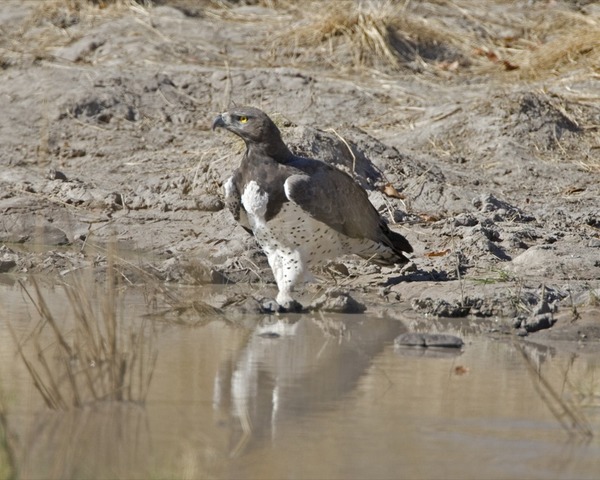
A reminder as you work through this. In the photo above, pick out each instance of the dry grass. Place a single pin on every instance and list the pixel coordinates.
(527, 43)
(531, 44)
(573, 47)
(372, 32)
(366, 29)
(96, 359)
(463, 36)
(592, 166)
(581, 45)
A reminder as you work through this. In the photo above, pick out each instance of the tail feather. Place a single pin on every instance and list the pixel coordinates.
(385, 259)
(390, 250)
(398, 242)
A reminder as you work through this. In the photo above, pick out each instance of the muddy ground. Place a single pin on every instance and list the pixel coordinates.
(488, 162)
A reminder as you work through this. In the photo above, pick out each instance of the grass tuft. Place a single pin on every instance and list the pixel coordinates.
(96, 359)
(374, 33)
(578, 47)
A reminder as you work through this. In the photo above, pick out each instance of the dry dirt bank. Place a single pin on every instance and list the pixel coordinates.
(473, 125)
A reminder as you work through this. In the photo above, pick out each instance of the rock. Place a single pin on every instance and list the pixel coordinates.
(54, 174)
(333, 149)
(465, 220)
(428, 340)
(538, 322)
(338, 302)
(594, 243)
(542, 316)
(503, 211)
(7, 262)
(338, 268)
(208, 203)
(439, 307)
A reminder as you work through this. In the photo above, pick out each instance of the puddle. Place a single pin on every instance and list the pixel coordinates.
(308, 396)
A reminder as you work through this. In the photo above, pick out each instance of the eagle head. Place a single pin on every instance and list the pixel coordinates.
(249, 123)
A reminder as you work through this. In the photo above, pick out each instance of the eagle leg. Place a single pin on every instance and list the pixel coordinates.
(288, 269)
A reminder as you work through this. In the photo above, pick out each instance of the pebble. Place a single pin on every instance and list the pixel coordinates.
(428, 340)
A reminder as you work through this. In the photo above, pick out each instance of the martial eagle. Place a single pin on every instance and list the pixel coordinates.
(302, 212)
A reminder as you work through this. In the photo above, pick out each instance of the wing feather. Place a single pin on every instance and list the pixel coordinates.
(233, 201)
(332, 197)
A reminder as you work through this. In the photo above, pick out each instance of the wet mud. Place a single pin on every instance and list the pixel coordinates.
(106, 146)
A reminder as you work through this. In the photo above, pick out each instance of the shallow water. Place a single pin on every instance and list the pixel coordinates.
(309, 396)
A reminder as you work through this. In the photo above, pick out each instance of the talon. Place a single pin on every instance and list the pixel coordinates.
(291, 306)
(270, 306)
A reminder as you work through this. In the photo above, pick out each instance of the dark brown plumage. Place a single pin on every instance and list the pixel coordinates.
(302, 211)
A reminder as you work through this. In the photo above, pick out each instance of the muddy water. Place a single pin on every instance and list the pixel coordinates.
(309, 396)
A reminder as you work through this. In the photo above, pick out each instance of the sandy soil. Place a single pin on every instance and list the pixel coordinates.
(479, 149)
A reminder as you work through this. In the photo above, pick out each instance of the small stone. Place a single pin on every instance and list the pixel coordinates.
(465, 220)
(428, 340)
(54, 174)
(338, 268)
(7, 264)
(594, 243)
(338, 302)
(208, 203)
(439, 307)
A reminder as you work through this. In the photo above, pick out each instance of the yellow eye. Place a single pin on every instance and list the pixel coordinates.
(243, 119)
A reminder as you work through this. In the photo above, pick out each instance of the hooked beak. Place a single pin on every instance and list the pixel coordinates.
(219, 122)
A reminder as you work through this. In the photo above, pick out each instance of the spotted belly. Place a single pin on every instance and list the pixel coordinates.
(293, 229)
